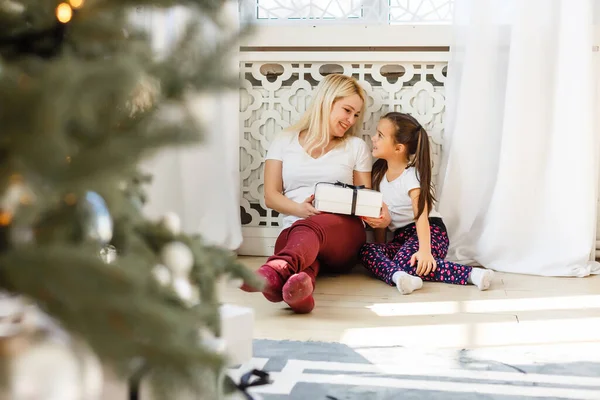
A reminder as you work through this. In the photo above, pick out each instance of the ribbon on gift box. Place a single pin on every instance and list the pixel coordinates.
(355, 190)
(246, 382)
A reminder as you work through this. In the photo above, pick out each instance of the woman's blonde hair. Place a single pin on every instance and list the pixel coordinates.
(316, 118)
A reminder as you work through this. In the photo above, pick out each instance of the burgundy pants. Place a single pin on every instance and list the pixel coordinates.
(328, 242)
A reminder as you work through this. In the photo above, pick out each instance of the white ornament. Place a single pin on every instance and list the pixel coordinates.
(162, 274)
(186, 291)
(178, 258)
(172, 223)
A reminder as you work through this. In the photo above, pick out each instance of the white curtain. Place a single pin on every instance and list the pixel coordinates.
(200, 184)
(518, 182)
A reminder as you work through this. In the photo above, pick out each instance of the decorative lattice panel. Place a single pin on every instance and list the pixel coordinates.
(360, 11)
(305, 9)
(422, 11)
(274, 95)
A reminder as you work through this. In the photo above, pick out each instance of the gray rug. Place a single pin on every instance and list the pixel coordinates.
(330, 371)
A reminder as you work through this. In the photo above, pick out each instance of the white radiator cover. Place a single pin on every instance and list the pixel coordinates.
(274, 94)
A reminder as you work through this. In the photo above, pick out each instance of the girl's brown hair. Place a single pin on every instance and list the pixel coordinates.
(410, 133)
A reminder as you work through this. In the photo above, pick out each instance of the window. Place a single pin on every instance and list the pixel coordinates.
(391, 12)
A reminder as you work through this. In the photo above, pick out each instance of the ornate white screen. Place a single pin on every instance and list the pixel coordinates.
(273, 95)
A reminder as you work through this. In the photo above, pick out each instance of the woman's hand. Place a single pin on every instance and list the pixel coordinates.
(425, 262)
(306, 209)
(382, 222)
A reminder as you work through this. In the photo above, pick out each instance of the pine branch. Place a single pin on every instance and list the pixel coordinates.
(82, 104)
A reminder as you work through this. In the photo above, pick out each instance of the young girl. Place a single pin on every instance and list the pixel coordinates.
(403, 175)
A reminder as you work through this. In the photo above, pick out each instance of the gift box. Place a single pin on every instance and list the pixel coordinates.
(341, 198)
(237, 329)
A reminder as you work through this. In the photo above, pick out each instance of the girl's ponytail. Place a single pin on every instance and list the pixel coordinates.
(422, 164)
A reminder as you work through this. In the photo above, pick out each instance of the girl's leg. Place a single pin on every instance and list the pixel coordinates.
(446, 271)
(481, 278)
(377, 258)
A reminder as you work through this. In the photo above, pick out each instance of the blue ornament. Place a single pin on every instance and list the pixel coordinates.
(97, 221)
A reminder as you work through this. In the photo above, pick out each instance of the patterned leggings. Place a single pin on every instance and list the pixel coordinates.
(383, 259)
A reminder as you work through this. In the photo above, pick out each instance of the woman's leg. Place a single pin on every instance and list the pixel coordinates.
(274, 272)
(298, 290)
(333, 239)
(343, 236)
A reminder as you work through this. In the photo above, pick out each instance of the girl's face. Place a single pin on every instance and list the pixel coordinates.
(384, 144)
(344, 114)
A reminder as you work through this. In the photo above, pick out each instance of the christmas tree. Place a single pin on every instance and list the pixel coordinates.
(83, 100)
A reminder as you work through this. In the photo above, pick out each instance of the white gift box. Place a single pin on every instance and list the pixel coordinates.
(237, 329)
(340, 198)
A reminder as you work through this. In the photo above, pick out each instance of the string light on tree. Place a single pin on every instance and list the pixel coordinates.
(64, 12)
(76, 3)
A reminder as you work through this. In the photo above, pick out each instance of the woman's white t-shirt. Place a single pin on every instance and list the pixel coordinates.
(396, 197)
(301, 172)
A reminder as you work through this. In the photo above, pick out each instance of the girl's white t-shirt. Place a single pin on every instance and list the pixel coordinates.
(396, 197)
(301, 172)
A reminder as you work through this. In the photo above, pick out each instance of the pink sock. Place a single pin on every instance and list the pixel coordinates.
(273, 281)
(298, 293)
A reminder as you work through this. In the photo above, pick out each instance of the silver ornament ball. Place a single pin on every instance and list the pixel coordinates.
(97, 223)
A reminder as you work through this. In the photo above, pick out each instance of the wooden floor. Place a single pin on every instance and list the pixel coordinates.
(359, 311)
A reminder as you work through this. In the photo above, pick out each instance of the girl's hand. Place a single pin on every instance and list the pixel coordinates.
(306, 209)
(426, 262)
(382, 222)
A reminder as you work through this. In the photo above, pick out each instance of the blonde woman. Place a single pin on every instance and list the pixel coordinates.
(322, 147)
